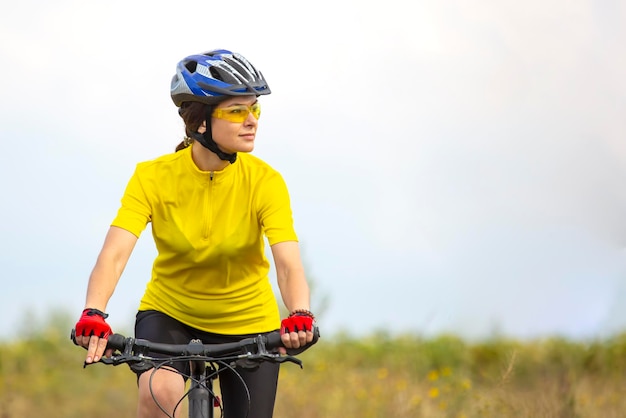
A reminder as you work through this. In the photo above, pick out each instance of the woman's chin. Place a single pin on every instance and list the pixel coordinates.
(246, 148)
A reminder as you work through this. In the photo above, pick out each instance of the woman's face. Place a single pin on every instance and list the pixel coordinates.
(235, 136)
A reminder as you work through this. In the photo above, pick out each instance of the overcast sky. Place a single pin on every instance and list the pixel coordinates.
(454, 166)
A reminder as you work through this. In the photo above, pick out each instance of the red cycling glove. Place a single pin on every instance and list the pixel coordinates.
(92, 322)
(299, 320)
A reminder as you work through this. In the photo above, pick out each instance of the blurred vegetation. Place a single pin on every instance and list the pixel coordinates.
(377, 376)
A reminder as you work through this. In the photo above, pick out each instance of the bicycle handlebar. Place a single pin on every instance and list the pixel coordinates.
(246, 354)
(261, 345)
(269, 341)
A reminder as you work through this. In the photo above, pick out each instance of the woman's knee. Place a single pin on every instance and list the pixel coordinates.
(160, 390)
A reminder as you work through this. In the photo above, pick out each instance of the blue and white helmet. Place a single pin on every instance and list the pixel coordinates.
(210, 76)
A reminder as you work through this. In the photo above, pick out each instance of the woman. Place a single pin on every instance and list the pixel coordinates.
(211, 205)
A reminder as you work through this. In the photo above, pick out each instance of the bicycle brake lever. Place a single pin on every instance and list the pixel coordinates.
(102, 360)
(254, 361)
(112, 361)
(109, 360)
(291, 359)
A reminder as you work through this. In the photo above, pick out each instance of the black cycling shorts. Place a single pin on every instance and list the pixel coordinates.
(261, 382)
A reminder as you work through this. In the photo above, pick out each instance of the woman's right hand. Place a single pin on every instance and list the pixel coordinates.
(92, 332)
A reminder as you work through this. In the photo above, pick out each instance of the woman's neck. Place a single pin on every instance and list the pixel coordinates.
(205, 159)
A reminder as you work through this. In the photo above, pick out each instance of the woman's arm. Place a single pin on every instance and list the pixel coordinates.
(292, 283)
(116, 250)
(293, 286)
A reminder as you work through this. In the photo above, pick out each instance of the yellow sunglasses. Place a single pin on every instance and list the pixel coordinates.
(238, 113)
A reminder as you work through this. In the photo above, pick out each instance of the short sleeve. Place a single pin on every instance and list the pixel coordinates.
(135, 211)
(275, 212)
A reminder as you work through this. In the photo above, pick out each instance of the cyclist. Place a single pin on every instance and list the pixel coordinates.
(211, 205)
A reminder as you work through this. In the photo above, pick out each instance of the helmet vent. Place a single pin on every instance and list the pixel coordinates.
(216, 73)
(191, 66)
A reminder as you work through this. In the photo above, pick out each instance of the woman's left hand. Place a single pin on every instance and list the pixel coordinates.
(297, 330)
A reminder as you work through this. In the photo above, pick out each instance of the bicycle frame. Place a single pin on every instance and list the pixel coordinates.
(201, 397)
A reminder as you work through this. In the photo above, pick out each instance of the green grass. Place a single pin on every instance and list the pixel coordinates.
(377, 376)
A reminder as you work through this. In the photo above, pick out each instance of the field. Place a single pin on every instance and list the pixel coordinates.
(375, 377)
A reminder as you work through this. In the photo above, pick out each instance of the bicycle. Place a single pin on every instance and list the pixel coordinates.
(204, 360)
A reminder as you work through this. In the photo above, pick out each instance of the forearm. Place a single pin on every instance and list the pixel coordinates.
(294, 289)
(111, 262)
(102, 283)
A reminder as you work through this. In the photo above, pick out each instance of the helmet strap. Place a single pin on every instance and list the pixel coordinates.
(206, 139)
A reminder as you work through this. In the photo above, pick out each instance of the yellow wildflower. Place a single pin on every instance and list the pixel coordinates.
(433, 375)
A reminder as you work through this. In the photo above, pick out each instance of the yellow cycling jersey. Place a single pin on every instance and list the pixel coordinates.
(211, 271)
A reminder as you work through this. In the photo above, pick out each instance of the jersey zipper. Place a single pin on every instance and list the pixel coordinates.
(208, 208)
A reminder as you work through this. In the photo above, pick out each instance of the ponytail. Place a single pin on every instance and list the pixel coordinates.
(193, 114)
(184, 144)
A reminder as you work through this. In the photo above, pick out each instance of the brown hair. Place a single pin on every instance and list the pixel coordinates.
(193, 114)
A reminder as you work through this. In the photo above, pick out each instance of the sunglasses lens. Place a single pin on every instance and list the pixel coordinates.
(237, 114)
(255, 109)
(234, 113)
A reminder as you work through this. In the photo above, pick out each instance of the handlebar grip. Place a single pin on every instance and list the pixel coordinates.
(116, 341)
(274, 341)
